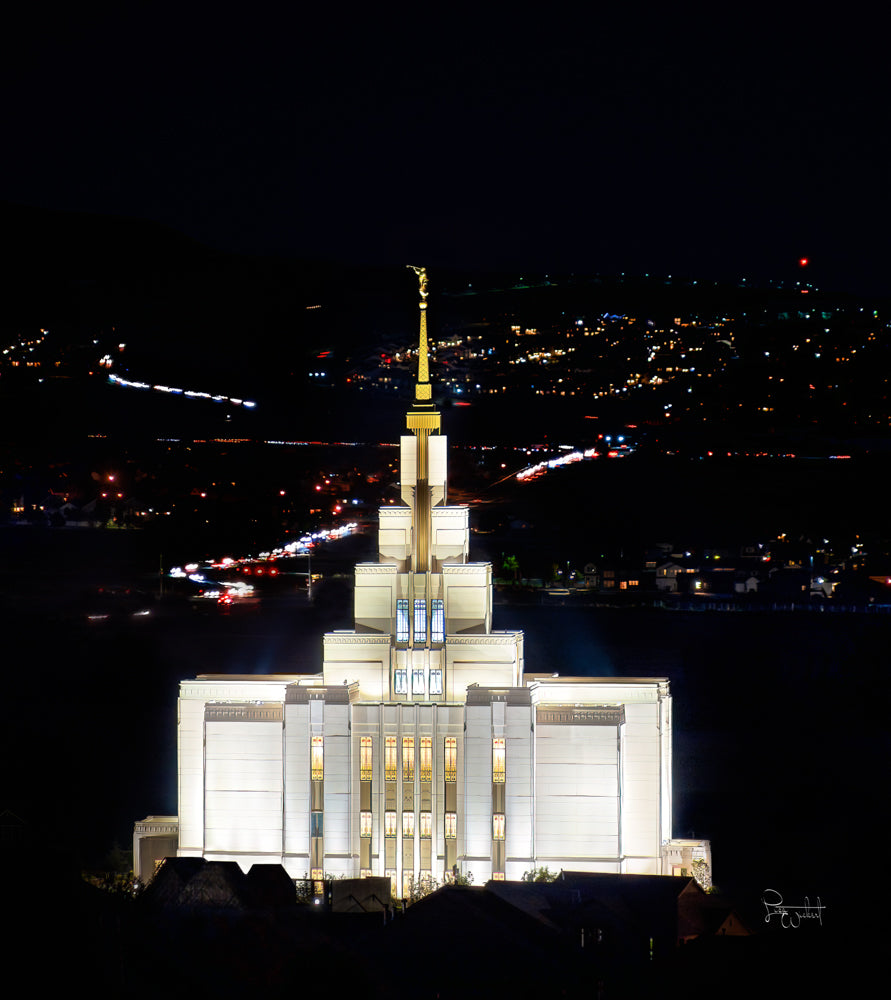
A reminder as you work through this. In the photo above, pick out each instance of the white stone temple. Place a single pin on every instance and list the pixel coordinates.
(424, 748)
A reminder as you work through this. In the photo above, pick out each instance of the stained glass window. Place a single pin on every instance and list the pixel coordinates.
(420, 620)
(451, 758)
(437, 621)
(317, 758)
(365, 758)
(498, 760)
(402, 619)
(451, 826)
(426, 758)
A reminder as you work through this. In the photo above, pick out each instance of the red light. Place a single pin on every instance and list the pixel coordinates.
(803, 261)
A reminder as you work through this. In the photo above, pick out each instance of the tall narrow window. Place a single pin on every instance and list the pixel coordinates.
(426, 758)
(364, 823)
(498, 826)
(401, 681)
(426, 824)
(389, 823)
(390, 758)
(402, 619)
(498, 760)
(435, 682)
(365, 758)
(420, 620)
(451, 826)
(317, 758)
(408, 824)
(316, 827)
(408, 758)
(417, 681)
(437, 621)
(451, 758)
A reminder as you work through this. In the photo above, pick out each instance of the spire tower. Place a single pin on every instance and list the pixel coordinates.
(422, 420)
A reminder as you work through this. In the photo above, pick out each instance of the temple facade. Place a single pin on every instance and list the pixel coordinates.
(425, 748)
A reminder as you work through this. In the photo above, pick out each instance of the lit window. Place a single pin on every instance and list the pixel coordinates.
(435, 682)
(498, 760)
(451, 826)
(390, 823)
(451, 758)
(420, 620)
(498, 826)
(390, 873)
(318, 886)
(365, 758)
(426, 820)
(437, 621)
(317, 758)
(364, 824)
(426, 758)
(408, 824)
(365, 873)
(390, 758)
(316, 827)
(497, 876)
(417, 681)
(408, 758)
(402, 619)
(401, 682)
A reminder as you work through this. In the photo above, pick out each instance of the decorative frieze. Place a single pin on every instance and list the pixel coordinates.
(243, 713)
(575, 715)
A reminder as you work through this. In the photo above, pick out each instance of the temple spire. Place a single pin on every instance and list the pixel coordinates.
(422, 420)
(423, 393)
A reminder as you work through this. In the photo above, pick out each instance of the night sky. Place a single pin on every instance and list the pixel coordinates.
(669, 143)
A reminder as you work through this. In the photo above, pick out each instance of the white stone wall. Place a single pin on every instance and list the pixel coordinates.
(243, 788)
(338, 787)
(297, 790)
(576, 795)
(519, 785)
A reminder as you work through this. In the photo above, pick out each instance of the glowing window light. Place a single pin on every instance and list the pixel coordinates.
(451, 758)
(390, 823)
(426, 758)
(420, 620)
(408, 824)
(451, 826)
(435, 682)
(390, 758)
(437, 621)
(426, 824)
(498, 826)
(498, 754)
(317, 758)
(402, 619)
(364, 824)
(317, 821)
(365, 758)
(417, 681)
(408, 758)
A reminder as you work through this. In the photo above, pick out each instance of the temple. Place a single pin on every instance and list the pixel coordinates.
(424, 749)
